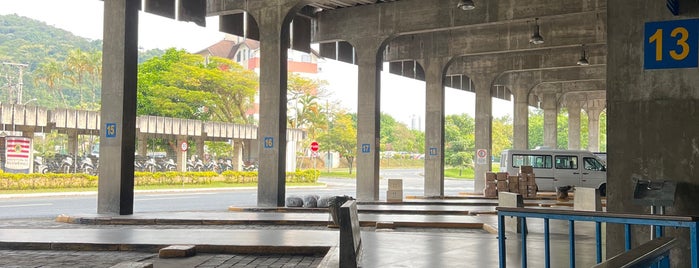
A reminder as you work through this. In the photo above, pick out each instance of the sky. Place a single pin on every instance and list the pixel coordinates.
(402, 98)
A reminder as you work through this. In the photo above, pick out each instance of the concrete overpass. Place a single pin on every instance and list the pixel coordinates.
(651, 114)
(34, 119)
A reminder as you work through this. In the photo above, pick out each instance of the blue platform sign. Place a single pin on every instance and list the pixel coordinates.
(269, 142)
(433, 151)
(366, 148)
(671, 44)
(111, 130)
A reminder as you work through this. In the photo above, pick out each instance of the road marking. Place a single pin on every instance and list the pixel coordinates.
(166, 198)
(27, 205)
(179, 194)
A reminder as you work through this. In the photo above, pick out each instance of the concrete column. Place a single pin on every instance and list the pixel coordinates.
(484, 128)
(520, 128)
(200, 147)
(573, 125)
(434, 126)
(72, 146)
(237, 160)
(368, 119)
(274, 41)
(142, 144)
(118, 114)
(180, 156)
(593, 129)
(550, 106)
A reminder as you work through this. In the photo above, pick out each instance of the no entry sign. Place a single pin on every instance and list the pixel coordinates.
(314, 146)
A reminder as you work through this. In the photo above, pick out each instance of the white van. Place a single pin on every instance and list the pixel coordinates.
(557, 168)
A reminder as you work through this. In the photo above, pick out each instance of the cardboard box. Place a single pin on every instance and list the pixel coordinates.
(512, 179)
(502, 186)
(490, 176)
(395, 184)
(502, 176)
(514, 187)
(526, 169)
(490, 191)
(394, 195)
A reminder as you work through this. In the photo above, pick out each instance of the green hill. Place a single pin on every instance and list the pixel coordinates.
(32, 42)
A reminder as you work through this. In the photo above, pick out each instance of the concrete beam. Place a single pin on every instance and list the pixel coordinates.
(419, 16)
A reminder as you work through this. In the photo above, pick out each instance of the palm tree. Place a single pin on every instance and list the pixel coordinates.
(51, 73)
(79, 65)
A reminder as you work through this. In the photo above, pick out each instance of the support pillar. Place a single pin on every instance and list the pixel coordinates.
(200, 147)
(368, 119)
(484, 129)
(573, 125)
(434, 126)
(72, 146)
(237, 160)
(142, 144)
(593, 129)
(520, 128)
(550, 106)
(118, 129)
(274, 42)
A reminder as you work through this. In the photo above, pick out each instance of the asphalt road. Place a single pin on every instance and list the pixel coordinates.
(51, 205)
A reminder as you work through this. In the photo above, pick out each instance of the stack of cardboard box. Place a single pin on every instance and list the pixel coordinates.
(524, 183)
(527, 182)
(491, 184)
(395, 190)
(502, 182)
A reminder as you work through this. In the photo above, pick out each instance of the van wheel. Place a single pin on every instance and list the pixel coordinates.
(603, 190)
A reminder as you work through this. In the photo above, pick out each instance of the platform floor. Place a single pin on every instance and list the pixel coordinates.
(416, 241)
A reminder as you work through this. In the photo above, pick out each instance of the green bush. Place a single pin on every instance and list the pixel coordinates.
(10, 181)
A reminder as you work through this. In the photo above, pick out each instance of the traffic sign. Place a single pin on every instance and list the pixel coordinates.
(482, 153)
(184, 146)
(314, 146)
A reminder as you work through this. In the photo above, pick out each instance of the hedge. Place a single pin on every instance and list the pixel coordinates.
(10, 181)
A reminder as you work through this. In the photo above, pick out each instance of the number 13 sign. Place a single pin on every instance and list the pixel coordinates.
(671, 44)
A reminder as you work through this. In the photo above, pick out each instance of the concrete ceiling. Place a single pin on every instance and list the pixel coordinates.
(335, 4)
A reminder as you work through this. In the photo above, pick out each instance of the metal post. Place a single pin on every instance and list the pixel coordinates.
(501, 241)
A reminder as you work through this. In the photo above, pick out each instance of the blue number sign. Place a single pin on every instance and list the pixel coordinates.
(366, 148)
(671, 44)
(111, 130)
(269, 142)
(433, 151)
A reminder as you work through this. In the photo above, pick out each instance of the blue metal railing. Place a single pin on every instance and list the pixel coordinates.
(657, 221)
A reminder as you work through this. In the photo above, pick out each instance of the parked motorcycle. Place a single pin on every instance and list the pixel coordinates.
(39, 166)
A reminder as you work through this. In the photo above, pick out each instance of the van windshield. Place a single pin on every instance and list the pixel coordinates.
(536, 161)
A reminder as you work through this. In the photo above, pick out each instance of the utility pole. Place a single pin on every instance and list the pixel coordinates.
(16, 93)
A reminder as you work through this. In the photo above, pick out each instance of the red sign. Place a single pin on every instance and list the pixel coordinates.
(314, 146)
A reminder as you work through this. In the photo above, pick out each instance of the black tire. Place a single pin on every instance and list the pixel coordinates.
(44, 170)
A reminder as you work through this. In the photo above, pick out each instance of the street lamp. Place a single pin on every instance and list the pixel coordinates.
(25, 103)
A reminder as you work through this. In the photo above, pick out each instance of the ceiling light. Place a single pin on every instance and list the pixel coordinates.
(583, 57)
(466, 5)
(536, 36)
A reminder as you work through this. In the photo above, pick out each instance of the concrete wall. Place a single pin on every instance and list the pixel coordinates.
(654, 108)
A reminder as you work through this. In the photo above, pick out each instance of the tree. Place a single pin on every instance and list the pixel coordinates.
(502, 134)
(536, 128)
(341, 137)
(51, 74)
(459, 135)
(183, 85)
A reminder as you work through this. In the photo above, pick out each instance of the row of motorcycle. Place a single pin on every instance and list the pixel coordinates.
(65, 163)
(195, 163)
(89, 164)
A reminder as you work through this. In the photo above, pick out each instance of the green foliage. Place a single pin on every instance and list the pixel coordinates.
(183, 85)
(10, 181)
(502, 135)
(536, 128)
(341, 137)
(459, 135)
